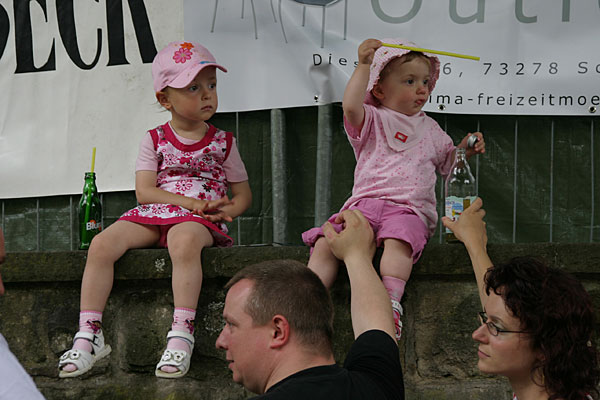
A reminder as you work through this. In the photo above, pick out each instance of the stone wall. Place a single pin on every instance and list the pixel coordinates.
(38, 317)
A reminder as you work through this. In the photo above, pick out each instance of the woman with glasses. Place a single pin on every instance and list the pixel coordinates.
(537, 327)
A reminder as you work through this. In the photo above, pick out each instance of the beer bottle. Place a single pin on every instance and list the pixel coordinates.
(90, 212)
(460, 190)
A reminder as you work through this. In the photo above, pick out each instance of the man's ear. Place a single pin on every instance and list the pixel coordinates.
(280, 331)
(377, 92)
(163, 99)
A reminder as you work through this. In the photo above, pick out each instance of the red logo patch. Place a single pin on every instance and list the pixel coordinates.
(401, 137)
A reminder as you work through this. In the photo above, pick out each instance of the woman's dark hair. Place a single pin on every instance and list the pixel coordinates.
(557, 312)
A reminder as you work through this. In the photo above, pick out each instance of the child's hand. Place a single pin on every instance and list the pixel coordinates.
(212, 210)
(366, 51)
(479, 147)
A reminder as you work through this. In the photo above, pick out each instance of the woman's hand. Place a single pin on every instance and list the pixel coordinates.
(470, 227)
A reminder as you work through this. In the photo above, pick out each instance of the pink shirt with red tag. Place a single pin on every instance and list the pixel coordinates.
(397, 157)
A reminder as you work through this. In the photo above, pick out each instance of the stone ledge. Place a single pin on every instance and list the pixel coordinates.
(65, 266)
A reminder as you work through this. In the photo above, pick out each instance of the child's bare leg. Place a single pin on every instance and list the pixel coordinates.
(395, 268)
(105, 249)
(323, 263)
(186, 241)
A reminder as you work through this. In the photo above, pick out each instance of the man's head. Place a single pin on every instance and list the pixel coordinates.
(272, 307)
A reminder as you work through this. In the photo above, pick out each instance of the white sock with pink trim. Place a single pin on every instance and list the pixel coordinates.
(395, 288)
(183, 321)
(89, 321)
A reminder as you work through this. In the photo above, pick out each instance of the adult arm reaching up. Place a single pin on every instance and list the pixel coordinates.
(370, 303)
(470, 229)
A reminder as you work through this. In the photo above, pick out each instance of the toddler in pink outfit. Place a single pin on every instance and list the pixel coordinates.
(184, 170)
(398, 150)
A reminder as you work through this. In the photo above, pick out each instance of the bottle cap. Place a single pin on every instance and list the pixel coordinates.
(471, 141)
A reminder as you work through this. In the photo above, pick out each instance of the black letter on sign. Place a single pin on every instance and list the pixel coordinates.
(116, 36)
(24, 39)
(4, 29)
(66, 27)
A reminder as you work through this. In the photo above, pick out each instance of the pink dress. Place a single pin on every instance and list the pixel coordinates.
(192, 170)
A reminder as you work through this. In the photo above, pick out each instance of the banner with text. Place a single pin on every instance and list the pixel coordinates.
(76, 75)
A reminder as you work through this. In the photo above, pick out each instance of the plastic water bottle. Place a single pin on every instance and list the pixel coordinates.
(460, 190)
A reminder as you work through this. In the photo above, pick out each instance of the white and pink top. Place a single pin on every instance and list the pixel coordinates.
(397, 157)
(198, 169)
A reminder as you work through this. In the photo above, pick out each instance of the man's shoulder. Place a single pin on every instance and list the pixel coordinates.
(372, 368)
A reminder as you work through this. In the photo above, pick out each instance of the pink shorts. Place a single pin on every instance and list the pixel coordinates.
(388, 220)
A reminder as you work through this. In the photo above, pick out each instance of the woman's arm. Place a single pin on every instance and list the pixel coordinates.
(470, 229)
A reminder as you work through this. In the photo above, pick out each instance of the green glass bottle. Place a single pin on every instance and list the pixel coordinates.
(90, 212)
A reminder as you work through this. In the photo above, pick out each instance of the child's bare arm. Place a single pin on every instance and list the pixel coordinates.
(240, 200)
(354, 95)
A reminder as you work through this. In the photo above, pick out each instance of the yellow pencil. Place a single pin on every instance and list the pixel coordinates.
(444, 53)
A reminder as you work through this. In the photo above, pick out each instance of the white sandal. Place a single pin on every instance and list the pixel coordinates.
(176, 358)
(83, 360)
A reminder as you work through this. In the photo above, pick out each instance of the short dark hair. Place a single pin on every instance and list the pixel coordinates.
(557, 312)
(290, 289)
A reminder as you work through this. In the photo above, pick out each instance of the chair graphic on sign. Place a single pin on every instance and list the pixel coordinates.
(212, 29)
(320, 3)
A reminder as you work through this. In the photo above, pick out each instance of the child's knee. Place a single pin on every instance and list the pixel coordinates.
(397, 248)
(397, 259)
(185, 245)
(321, 246)
(102, 245)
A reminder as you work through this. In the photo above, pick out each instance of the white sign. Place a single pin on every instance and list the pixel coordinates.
(537, 57)
(76, 75)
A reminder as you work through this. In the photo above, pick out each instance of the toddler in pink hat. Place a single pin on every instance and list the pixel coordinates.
(398, 150)
(183, 172)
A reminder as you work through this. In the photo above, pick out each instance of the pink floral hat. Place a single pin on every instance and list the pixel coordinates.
(384, 55)
(178, 64)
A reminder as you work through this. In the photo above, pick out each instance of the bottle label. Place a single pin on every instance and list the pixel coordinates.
(456, 205)
(93, 225)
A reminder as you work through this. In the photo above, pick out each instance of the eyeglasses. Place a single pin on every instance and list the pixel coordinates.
(493, 328)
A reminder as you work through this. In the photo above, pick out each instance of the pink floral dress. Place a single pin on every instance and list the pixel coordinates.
(195, 171)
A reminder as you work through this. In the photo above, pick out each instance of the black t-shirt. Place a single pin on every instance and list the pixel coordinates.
(372, 370)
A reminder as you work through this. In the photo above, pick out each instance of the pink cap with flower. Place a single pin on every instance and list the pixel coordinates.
(178, 64)
(384, 55)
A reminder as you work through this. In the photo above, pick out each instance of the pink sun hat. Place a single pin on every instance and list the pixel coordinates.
(178, 63)
(384, 55)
